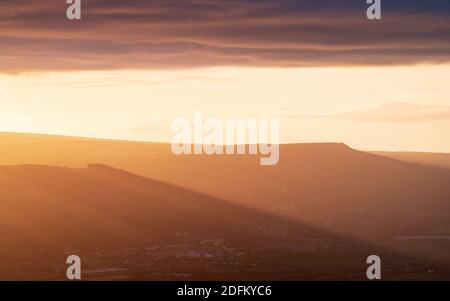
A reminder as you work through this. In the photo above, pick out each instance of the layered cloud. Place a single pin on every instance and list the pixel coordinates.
(390, 112)
(166, 34)
(400, 112)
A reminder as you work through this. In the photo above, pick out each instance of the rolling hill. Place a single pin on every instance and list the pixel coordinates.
(103, 206)
(133, 227)
(327, 185)
(323, 204)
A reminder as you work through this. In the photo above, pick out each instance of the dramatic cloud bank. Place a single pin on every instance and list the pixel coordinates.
(167, 34)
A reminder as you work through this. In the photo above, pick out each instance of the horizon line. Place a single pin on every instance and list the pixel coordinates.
(100, 139)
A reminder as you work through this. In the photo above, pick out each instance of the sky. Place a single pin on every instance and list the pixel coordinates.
(128, 68)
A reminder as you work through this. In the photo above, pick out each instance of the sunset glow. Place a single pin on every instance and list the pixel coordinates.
(140, 105)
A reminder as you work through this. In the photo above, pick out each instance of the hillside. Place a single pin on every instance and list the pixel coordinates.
(316, 214)
(127, 226)
(328, 185)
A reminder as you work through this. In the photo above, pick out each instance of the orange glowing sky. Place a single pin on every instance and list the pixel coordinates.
(128, 68)
(395, 108)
